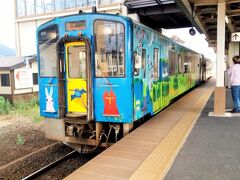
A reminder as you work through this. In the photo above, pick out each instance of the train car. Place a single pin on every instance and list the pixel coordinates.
(99, 73)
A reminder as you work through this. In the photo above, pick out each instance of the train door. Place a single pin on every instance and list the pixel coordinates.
(76, 79)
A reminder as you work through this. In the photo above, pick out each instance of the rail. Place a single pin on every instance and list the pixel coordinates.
(49, 166)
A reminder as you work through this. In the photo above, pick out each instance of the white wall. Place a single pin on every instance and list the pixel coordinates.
(42, 21)
(21, 91)
(27, 32)
(26, 26)
(34, 88)
(26, 36)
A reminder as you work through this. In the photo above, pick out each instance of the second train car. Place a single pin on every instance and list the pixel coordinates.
(99, 73)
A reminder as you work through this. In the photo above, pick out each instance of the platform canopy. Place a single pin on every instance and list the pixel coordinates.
(167, 14)
(206, 11)
(178, 14)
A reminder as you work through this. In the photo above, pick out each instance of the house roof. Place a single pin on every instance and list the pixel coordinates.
(10, 63)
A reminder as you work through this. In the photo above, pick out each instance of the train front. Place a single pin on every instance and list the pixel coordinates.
(85, 77)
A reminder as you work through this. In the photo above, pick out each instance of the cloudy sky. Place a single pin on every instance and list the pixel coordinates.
(7, 33)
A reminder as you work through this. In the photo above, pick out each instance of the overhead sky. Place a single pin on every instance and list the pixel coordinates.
(7, 32)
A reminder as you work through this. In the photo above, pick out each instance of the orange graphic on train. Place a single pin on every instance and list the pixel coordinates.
(110, 104)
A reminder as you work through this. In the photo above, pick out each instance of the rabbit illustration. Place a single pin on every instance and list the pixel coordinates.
(49, 100)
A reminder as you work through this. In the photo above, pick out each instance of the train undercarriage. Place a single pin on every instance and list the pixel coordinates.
(85, 136)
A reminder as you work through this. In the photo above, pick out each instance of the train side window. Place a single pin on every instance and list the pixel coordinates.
(186, 64)
(136, 59)
(172, 63)
(190, 61)
(156, 63)
(109, 49)
(193, 64)
(47, 49)
(181, 63)
(144, 62)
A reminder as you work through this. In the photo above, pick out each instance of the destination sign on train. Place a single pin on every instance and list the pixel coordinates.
(76, 25)
(235, 37)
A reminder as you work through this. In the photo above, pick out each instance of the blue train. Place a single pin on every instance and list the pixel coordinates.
(99, 73)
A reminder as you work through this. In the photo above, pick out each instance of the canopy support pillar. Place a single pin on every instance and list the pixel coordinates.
(219, 92)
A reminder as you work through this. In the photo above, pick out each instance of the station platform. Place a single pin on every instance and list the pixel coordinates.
(212, 150)
(149, 151)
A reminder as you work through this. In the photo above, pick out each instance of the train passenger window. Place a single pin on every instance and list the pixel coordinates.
(47, 51)
(172, 63)
(190, 59)
(136, 69)
(156, 63)
(109, 49)
(193, 62)
(181, 63)
(186, 64)
(144, 62)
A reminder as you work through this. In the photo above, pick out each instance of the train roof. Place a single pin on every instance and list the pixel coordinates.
(124, 18)
(55, 20)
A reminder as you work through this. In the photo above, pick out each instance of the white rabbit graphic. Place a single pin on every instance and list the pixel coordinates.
(49, 100)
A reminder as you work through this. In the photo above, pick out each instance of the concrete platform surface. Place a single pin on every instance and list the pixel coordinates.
(148, 151)
(212, 150)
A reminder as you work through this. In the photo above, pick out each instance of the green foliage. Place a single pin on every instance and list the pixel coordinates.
(5, 106)
(20, 139)
(22, 108)
(26, 108)
(29, 109)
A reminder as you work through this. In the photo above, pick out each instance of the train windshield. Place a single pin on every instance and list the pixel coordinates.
(109, 49)
(47, 49)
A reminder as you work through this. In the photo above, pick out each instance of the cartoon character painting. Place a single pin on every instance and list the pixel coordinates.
(110, 104)
(77, 93)
(49, 100)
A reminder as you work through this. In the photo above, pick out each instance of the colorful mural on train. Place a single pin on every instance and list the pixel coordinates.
(103, 71)
(154, 87)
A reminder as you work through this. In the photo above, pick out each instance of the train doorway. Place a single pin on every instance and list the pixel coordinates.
(76, 79)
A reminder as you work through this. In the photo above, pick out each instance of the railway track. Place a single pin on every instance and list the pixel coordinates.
(58, 160)
(50, 166)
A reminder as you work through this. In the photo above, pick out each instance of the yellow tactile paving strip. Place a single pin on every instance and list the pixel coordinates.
(148, 152)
